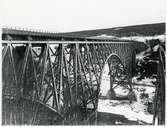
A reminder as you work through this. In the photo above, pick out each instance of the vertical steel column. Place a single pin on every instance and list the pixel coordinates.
(13, 64)
(53, 82)
(44, 66)
(24, 68)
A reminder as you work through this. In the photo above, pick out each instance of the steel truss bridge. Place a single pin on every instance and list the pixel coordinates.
(60, 73)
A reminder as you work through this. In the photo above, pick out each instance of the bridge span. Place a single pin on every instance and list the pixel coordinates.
(62, 74)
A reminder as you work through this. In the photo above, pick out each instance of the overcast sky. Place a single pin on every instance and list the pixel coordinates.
(74, 15)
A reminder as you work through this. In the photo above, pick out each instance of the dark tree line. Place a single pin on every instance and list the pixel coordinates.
(148, 66)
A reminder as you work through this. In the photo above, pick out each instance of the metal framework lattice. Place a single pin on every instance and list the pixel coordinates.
(42, 69)
(62, 76)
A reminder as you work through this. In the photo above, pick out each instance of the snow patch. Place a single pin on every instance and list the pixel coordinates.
(155, 48)
(140, 56)
(104, 36)
(145, 38)
(134, 111)
(118, 28)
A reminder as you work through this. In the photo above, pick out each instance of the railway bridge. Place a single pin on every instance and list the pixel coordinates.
(45, 72)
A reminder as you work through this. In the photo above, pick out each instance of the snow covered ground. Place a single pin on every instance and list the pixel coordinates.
(133, 111)
(104, 36)
(136, 111)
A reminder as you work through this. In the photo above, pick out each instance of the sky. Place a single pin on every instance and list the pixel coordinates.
(77, 15)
